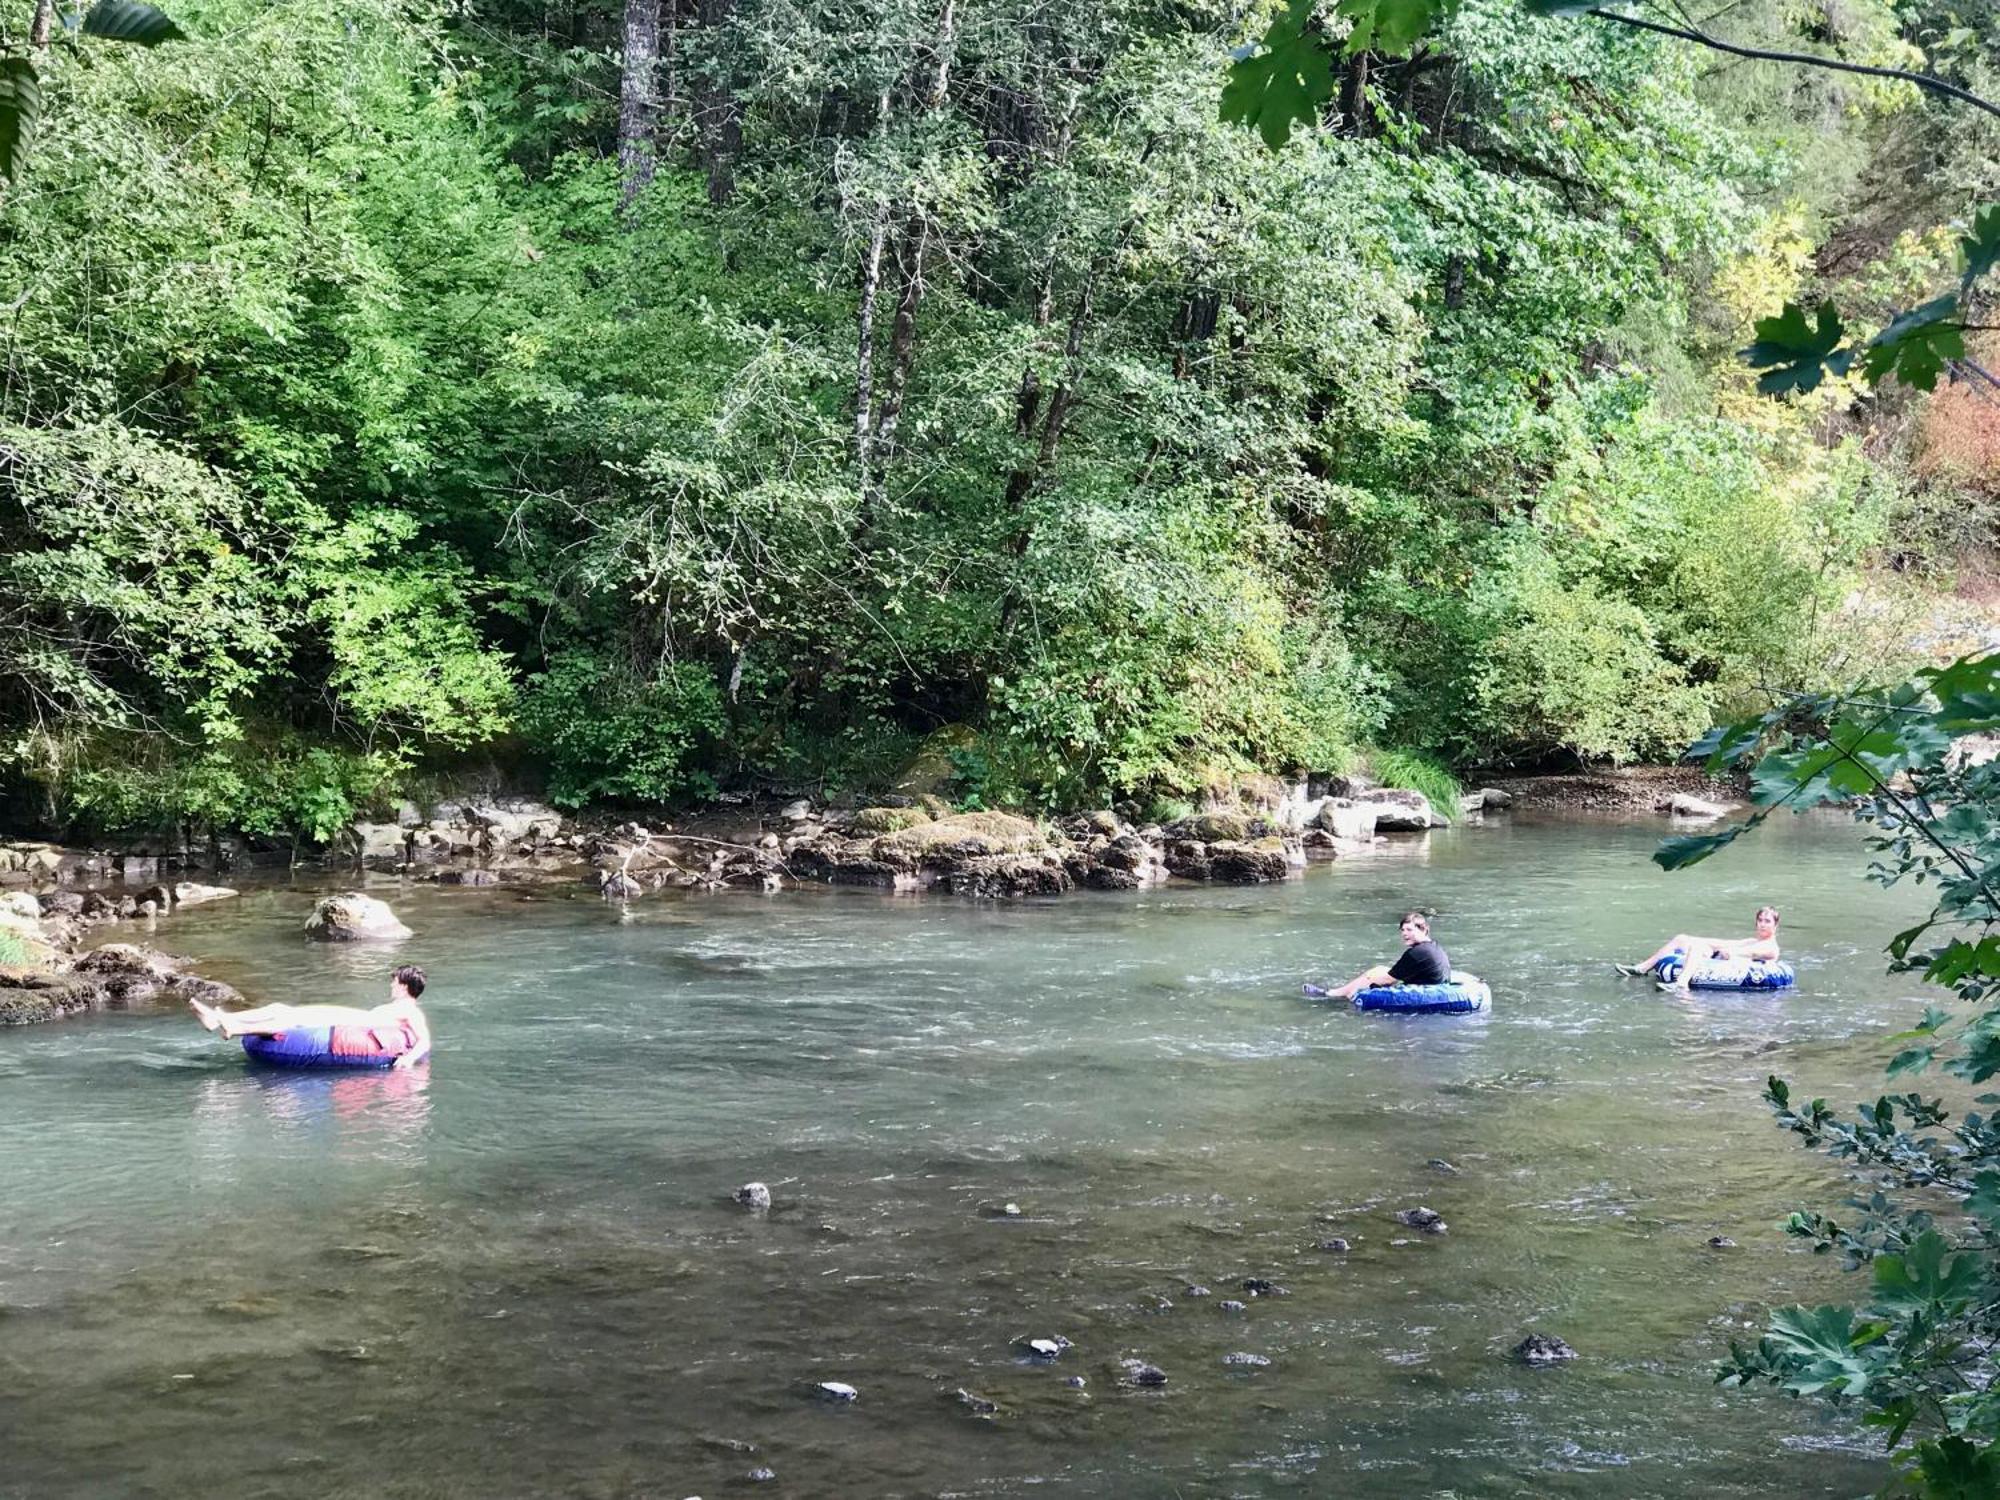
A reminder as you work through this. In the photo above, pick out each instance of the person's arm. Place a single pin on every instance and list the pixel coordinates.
(1377, 975)
(422, 1027)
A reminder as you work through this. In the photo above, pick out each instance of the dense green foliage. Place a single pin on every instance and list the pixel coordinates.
(1919, 1356)
(921, 365)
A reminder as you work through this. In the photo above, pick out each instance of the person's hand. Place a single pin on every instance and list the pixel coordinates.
(409, 1060)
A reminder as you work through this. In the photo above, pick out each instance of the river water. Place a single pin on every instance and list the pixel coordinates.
(523, 1274)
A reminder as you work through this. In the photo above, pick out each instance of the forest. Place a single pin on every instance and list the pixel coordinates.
(634, 403)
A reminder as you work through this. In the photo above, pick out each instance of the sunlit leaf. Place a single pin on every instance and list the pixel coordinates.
(1390, 27)
(1284, 82)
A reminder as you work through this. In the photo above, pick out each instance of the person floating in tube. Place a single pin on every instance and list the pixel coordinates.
(1422, 961)
(1690, 949)
(397, 1028)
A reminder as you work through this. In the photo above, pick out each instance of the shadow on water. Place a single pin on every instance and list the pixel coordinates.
(521, 1272)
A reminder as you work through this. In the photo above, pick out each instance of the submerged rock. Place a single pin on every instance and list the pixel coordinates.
(1195, 1289)
(1682, 805)
(1230, 1305)
(1428, 1220)
(1335, 1246)
(977, 1405)
(1246, 1360)
(1542, 1349)
(1138, 1372)
(354, 918)
(1721, 1242)
(837, 1391)
(1076, 1382)
(1049, 1348)
(753, 1195)
(1439, 1164)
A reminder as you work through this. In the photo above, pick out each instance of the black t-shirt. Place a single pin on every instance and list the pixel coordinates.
(1422, 963)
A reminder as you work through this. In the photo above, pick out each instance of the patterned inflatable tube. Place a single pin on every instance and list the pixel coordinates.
(322, 1047)
(1462, 995)
(1727, 973)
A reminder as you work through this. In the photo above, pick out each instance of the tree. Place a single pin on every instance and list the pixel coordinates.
(1289, 78)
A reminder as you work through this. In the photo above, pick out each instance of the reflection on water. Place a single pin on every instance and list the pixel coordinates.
(519, 1271)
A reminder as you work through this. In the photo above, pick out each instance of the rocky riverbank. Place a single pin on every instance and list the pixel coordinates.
(47, 973)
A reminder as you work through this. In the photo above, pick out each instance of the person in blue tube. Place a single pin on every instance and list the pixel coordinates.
(397, 1029)
(1423, 961)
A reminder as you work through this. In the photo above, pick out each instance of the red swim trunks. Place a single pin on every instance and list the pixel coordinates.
(370, 1041)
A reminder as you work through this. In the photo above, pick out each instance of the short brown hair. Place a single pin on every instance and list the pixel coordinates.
(1770, 909)
(411, 978)
(1422, 921)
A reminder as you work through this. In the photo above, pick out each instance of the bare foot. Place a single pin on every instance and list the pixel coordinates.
(208, 1015)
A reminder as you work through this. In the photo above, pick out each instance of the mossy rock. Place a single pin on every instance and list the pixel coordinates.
(28, 996)
(1212, 828)
(932, 769)
(891, 819)
(972, 833)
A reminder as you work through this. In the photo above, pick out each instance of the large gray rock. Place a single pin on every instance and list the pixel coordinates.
(379, 840)
(1399, 810)
(1345, 818)
(515, 821)
(354, 918)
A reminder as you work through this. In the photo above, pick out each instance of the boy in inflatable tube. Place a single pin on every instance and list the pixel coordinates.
(1763, 946)
(1422, 961)
(398, 1028)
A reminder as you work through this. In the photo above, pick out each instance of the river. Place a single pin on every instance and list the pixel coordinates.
(523, 1275)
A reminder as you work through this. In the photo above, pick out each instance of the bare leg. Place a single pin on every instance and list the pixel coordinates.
(1680, 942)
(269, 1020)
(208, 1015)
(1377, 975)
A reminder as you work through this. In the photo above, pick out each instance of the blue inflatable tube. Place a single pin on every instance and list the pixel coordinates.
(1726, 973)
(1463, 995)
(311, 1047)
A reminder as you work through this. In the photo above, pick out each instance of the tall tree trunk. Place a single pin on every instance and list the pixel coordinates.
(864, 318)
(40, 27)
(913, 244)
(717, 111)
(638, 102)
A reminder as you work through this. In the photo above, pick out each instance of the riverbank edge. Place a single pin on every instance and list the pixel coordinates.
(57, 901)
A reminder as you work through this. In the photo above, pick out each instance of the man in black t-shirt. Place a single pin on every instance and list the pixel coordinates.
(1422, 961)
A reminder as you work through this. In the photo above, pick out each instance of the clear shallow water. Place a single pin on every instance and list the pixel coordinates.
(522, 1275)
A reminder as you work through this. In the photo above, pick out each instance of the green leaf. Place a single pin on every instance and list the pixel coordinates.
(1923, 1280)
(1984, 1200)
(1795, 355)
(131, 21)
(1821, 1349)
(1968, 694)
(20, 108)
(1390, 27)
(1686, 849)
(1916, 345)
(1981, 248)
(1911, 1060)
(1955, 1468)
(1726, 744)
(1285, 83)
